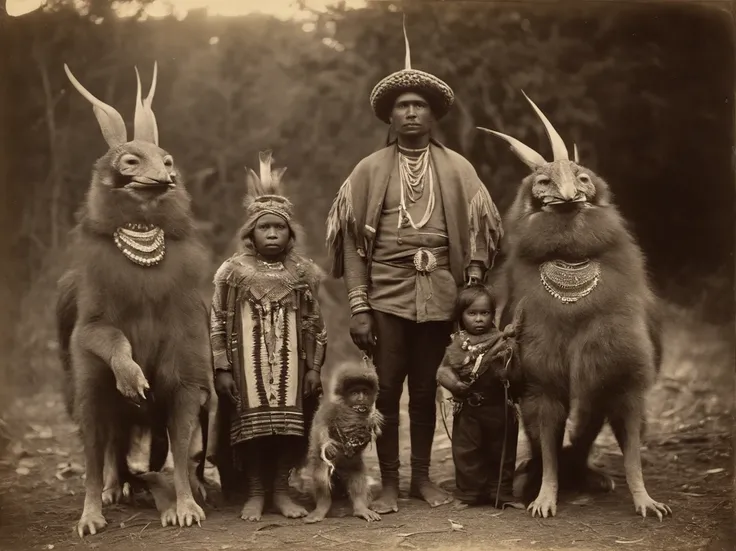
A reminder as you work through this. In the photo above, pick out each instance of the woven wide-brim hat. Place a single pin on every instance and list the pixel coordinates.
(437, 93)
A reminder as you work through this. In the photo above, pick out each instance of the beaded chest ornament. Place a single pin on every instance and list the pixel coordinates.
(142, 244)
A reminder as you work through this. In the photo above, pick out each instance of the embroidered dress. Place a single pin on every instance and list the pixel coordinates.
(267, 328)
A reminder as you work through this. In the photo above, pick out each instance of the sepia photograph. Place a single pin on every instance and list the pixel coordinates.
(368, 274)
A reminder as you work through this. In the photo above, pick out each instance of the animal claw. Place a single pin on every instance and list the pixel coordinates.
(644, 502)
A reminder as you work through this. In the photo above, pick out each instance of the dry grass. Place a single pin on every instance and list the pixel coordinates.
(697, 377)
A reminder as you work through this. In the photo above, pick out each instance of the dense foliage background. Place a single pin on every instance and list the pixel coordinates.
(645, 91)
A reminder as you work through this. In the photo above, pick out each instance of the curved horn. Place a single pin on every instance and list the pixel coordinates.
(145, 127)
(559, 151)
(407, 59)
(531, 158)
(110, 121)
(575, 156)
(265, 158)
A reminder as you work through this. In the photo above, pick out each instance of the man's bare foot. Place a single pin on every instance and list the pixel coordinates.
(388, 501)
(253, 509)
(286, 506)
(431, 493)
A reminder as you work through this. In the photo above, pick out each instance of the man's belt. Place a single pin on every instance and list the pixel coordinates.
(424, 261)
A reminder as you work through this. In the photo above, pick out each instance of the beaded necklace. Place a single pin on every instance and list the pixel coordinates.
(142, 244)
(569, 282)
(412, 172)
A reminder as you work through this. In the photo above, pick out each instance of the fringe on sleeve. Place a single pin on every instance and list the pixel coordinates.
(341, 219)
(485, 227)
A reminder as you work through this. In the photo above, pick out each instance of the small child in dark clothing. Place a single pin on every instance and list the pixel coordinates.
(474, 370)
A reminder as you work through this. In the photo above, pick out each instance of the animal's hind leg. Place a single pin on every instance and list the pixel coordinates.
(544, 417)
(322, 491)
(113, 488)
(95, 407)
(359, 491)
(575, 473)
(183, 419)
(625, 417)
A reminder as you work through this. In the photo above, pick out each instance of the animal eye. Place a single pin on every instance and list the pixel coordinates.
(168, 162)
(584, 178)
(543, 180)
(129, 160)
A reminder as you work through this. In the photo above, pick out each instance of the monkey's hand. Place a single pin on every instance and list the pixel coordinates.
(327, 453)
(129, 378)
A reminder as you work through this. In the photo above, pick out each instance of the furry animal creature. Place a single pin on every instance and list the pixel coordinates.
(345, 423)
(590, 328)
(139, 347)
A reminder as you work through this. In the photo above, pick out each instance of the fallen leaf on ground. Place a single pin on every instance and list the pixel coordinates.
(455, 526)
(580, 501)
(268, 526)
(22, 471)
(630, 541)
(715, 471)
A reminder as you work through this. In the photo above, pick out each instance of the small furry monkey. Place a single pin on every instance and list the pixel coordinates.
(345, 423)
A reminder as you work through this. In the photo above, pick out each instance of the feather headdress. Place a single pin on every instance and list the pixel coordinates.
(264, 194)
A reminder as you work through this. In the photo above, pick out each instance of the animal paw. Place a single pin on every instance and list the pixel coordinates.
(129, 379)
(545, 505)
(314, 516)
(168, 517)
(366, 514)
(188, 512)
(116, 494)
(91, 523)
(642, 503)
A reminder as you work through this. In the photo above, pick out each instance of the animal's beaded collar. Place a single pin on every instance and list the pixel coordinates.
(569, 282)
(142, 244)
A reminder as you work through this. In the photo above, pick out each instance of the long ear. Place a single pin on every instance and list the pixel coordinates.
(110, 121)
(144, 126)
(575, 156)
(531, 158)
(559, 150)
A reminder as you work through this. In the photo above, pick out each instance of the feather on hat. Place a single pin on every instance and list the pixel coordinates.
(439, 95)
(264, 194)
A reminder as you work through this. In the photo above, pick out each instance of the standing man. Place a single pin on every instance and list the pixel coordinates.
(410, 225)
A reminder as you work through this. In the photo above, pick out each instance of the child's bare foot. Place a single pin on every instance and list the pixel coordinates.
(428, 491)
(388, 501)
(253, 509)
(286, 506)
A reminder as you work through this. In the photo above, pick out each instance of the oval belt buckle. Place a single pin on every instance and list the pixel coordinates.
(425, 261)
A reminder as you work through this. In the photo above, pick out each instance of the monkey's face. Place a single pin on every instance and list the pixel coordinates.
(360, 398)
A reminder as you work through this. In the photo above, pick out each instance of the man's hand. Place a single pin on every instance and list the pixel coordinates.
(361, 331)
(312, 382)
(225, 386)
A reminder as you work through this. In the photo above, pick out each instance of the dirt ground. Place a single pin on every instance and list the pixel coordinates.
(686, 458)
